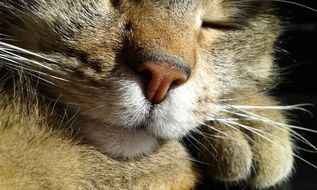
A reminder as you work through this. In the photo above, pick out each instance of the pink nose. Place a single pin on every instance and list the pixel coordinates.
(163, 76)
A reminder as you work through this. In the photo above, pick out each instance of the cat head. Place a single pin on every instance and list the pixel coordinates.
(164, 67)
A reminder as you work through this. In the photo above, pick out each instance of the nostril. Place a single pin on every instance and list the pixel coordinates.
(181, 80)
(145, 76)
(160, 78)
(177, 82)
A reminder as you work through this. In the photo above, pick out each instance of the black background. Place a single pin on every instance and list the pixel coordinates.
(300, 82)
(300, 39)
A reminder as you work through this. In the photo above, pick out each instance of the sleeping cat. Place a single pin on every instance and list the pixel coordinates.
(132, 78)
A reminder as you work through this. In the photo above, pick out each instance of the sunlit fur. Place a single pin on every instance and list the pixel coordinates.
(79, 57)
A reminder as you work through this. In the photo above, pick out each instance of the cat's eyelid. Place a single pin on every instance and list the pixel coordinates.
(217, 22)
(214, 16)
(221, 25)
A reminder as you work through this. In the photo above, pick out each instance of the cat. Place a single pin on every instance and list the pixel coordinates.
(132, 79)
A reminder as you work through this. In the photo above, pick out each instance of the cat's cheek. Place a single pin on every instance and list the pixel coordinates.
(124, 105)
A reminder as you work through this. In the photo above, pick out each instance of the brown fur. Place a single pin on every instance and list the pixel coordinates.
(94, 47)
(33, 156)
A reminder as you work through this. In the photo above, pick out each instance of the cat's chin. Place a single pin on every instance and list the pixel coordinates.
(125, 143)
(137, 139)
(117, 141)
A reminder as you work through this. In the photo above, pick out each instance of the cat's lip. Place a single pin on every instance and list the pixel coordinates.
(152, 129)
(154, 132)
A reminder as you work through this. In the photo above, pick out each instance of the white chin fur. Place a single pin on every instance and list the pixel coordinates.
(119, 142)
(129, 143)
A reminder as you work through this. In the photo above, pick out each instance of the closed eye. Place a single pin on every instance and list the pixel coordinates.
(219, 25)
(219, 21)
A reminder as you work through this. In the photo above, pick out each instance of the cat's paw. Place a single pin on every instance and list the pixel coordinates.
(262, 158)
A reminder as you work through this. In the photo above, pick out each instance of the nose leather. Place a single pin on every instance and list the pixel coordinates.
(163, 77)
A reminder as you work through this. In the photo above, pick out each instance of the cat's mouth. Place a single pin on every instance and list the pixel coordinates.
(131, 120)
(167, 121)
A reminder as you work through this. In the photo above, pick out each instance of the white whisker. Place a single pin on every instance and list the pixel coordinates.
(199, 143)
(21, 50)
(217, 130)
(254, 130)
(232, 126)
(272, 141)
(93, 109)
(23, 59)
(297, 4)
(288, 107)
(252, 116)
(186, 137)
(17, 64)
(307, 162)
(263, 119)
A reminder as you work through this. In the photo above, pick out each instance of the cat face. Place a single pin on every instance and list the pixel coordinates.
(162, 67)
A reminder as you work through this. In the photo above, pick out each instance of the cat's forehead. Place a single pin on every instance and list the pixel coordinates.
(185, 5)
(179, 5)
(235, 12)
(225, 11)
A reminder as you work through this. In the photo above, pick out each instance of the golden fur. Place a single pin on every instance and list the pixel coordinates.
(81, 58)
(34, 156)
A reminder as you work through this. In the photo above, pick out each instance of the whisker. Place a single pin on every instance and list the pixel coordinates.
(253, 130)
(21, 58)
(217, 130)
(232, 126)
(72, 119)
(96, 108)
(13, 54)
(55, 104)
(4, 35)
(258, 132)
(186, 137)
(200, 143)
(205, 136)
(278, 144)
(288, 107)
(296, 4)
(193, 159)
(223, 121)
(19, 65)
(19, 69)
(260, 118)
(199, 162)
(18, 49)
(307, 162)
(252, 116)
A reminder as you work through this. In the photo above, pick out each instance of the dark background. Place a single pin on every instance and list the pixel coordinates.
(300, 40)
(300, 81)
